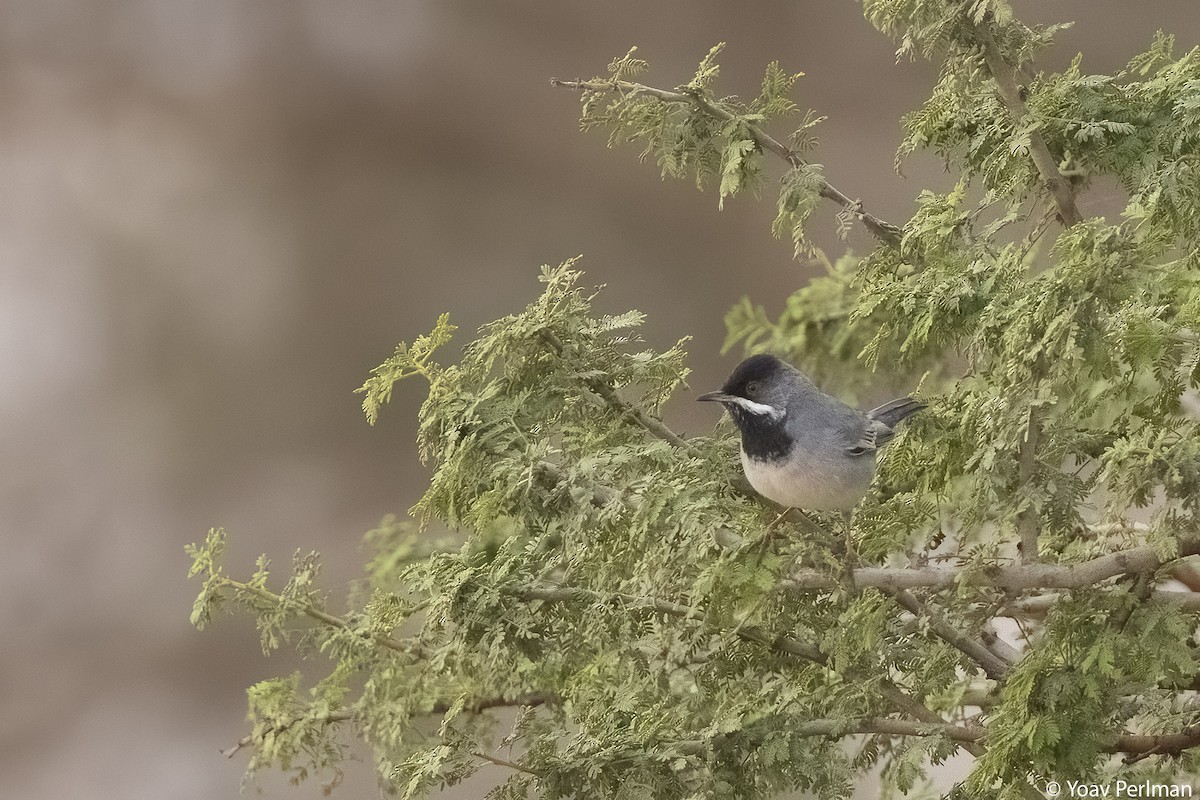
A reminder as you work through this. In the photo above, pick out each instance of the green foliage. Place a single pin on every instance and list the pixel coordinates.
(692, 131)
(610, 615)
(404, 363)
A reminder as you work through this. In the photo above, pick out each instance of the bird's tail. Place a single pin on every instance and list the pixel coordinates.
(896, 411)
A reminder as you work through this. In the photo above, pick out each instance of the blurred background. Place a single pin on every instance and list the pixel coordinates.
(218, 216)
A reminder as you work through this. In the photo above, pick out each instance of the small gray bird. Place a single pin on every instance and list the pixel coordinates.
(801, 447)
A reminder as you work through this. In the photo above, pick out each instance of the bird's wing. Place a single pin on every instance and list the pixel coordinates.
(877, 425)
(858, 434)
(871, 434)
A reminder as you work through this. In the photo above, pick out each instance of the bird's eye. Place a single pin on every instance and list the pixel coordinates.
(752, 387)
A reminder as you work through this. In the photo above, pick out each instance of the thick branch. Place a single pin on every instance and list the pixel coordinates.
(1016, 576)
(1004, 74)
(1167, 744)
(1133, 744)
(1037, 607)
(897, 727)
(885, 232)
(850, 727)
(988, 658)
(1002, 649)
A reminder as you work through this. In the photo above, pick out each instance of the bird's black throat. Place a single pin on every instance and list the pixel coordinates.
(764, 438)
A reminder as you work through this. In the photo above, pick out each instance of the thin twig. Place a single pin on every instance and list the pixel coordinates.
(993, 666)
(653, 425)
(1028, 524)
(659, 430)
(885, 232)
(313, 612)
(484, 704)
(500, 762)
(1138, 593)
(247, 740)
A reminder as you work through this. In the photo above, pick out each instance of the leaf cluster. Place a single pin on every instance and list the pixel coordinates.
(692, 131)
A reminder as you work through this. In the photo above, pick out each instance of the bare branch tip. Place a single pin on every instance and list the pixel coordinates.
(230, 752)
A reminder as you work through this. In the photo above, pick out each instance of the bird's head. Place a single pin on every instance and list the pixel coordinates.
(758, 390)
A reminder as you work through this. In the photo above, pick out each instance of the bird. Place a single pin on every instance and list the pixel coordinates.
(801, 447)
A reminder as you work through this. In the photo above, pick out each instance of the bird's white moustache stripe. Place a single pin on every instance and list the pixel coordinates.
(761, 409)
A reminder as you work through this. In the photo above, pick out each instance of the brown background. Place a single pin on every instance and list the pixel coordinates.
(217, 216)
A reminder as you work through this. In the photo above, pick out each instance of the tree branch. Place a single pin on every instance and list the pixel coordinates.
(1136, 745)
(1002, 649)
(1028, 524)
(1036, 607)
(500, 762)
(1004, 74)
(659, 429)
(789, 645)
(885, 232)
(1165, 744)
(317, 614)
(652, 424)
(1016, 576)
(484, 704)
(751, 633)
(993, 666)
(248, 739)
(1063, 193)
(850, 727)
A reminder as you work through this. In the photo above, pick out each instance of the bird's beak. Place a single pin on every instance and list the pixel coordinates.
(715, 397)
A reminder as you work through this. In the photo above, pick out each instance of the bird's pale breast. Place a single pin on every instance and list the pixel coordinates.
(799, 482)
